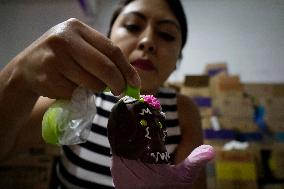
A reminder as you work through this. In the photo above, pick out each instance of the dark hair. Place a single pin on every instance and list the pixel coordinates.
(175, 6)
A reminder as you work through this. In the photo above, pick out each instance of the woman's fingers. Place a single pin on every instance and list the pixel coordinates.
(95, 55)
(80, 76)
(72, 54)
(105, 46)
(98, 65)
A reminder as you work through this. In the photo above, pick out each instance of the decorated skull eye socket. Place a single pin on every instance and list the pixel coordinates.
(159, 124)
(143, 123)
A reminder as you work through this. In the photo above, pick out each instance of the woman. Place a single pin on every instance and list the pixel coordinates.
(147, 34)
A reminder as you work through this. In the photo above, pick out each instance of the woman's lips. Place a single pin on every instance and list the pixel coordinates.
(143, 64)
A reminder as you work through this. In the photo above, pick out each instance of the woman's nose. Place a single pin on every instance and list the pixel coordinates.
(147, 42)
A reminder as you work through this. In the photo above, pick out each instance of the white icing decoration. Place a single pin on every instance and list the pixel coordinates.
(164, 135)
(147, 111)
(163, 114)
(147, 134)
(163, 156)
(128, 99)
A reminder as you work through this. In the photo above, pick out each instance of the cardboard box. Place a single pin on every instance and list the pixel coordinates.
(195, 91)
(277, 163)
(275, 125)
(196, 81)
(205, 105)
(214, 69)
(233, 107)
(278, 90)
(222, 134)
(258, 89)
(206, 123)
(274, 107)
(241, 124)
(224, 85)
(236, 169)
(264, 89)
(206, 112)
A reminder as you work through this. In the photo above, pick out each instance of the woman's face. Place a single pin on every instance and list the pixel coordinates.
(149, 35)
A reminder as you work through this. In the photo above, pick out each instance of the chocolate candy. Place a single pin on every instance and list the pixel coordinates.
(137, 131)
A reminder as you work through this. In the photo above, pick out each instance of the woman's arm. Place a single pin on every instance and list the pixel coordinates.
(29, 136)
(69, 55)
(20, 109)
(16, 104)
(191, 131)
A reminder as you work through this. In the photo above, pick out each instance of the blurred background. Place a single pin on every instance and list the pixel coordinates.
(232, 66)
(248, 35)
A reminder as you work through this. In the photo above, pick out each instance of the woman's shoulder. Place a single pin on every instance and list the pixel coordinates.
(187, 106)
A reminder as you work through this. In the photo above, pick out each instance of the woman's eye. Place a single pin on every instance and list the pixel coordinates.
(166, 36)
(132, 27)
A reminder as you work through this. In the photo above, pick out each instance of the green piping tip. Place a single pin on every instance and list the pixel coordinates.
(51, 127)
(133, 92)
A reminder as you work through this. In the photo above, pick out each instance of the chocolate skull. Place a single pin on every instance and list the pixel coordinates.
(137, 131)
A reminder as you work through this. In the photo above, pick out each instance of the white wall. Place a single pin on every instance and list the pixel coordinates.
(248, 35)
(21, 22)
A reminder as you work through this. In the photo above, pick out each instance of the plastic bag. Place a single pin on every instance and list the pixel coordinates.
(69, 122)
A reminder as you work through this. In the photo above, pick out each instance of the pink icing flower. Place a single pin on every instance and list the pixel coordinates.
(152, 101)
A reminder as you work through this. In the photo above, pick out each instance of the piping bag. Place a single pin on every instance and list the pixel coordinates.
(68, 122)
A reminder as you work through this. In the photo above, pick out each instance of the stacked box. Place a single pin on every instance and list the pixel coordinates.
(214, 69)
(224, 85)
(234, 106)
(205, 106)
(241, 124)
(274, 107)
(218, 138)
(234, 110)
(264, 89)
(271, 98)
(277, 163)
(197, 87)
(236, 169)
(278, 90)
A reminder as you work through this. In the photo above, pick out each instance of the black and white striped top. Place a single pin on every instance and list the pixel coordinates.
(88, 165)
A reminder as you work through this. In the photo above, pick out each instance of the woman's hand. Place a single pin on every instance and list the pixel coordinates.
(128, 174)
(71, 54)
